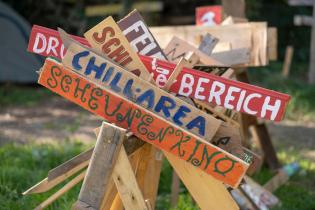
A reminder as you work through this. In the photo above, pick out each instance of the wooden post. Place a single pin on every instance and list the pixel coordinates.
(208, 192)
(260, 133)
(102, 162)
(126, 183)
(311, 72)
(287, 61)
(235, 8)
(175, 189)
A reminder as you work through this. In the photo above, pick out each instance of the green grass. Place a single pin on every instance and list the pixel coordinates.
(22, 166)
(22, 95)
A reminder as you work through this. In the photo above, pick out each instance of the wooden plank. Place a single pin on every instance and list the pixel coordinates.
(300, 2)
(208, 192)
(111, 76)
(126, 183)
(311, 71)
(260, 197)
(234, 57)
(147, 172)
(175, 189)
(61, 173)
(282, 176)
(67, 166)
(107, 38)
(272, 43)
(189, 84)
(139, 35)
(260, 133)
(178, 48)
(144, 124)
(259, 43)
(111, 199)
(235, 8)
(75, 164)
(61, 191)
(111, 9)
(208, 43)
(287, 61)
(102, 162)
(239, 35)
(229, 58)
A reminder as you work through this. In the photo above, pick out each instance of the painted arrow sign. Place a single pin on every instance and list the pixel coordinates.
(231, 94)
(143, 123)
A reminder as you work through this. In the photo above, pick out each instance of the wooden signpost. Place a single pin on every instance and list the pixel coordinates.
(248, 98)
(230, 94)
(139, 36)
(109, 40)
(143, 123)
(233, 145)
(104, 74)
(308, 21)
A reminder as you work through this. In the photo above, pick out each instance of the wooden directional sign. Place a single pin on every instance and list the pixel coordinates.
(109, 40)
(104, 72)
(139, 36)
(143, 123)
(246, 98)
(47, 42)
(230, 94)
(223, 132)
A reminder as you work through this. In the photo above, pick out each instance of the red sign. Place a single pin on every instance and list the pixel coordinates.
(208, 15)
(47, 42)
(224, 92)
(143, 123)
(230, 94)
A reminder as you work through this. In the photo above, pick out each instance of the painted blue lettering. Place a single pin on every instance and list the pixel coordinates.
(165, 104)
(180, 114)
(76, 58)
(92, 67)
(127, 90)
(148, 96)
(198, 122)
(108, 74)
(114, 82)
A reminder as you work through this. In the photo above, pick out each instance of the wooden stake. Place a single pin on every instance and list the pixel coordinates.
(311, 72)
(175, 189)
(126, 183)
(62, 191)
(287, 61)
(260, 133)
(208, 192)
(101, 165)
